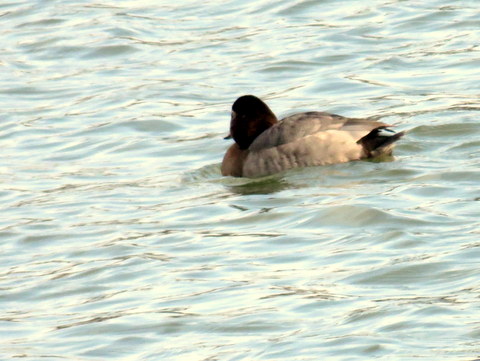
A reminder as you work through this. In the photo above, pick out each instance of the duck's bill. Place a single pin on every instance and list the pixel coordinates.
(229, 136)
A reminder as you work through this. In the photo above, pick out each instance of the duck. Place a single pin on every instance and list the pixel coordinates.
(265, 145)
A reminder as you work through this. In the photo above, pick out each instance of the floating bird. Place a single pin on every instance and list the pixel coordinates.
(264, 145)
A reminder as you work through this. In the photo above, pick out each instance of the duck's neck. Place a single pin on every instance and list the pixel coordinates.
(253, 129)
(270, 120)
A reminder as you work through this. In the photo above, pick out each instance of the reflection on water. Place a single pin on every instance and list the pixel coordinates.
(264, 186)
(121, 240)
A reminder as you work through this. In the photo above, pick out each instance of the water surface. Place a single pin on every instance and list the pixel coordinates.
(121, 241)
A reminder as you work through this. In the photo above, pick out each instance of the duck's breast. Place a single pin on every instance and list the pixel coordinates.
(232, 164)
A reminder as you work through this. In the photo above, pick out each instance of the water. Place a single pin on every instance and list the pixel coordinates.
(121, 241)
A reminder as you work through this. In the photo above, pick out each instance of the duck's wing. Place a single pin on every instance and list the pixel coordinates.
(300, 125)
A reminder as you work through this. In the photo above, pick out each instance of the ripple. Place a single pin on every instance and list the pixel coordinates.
(111, 50)
(117, 222)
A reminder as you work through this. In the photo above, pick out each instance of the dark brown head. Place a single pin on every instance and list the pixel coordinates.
(250, 118)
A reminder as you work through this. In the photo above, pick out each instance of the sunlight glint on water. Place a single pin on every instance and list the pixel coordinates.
(121, 241)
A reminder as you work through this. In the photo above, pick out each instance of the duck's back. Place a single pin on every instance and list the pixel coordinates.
(307, 139)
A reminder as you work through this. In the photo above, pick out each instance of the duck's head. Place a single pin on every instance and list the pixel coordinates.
(250, 118)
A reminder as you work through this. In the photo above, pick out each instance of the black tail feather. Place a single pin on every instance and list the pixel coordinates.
(379, 141)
